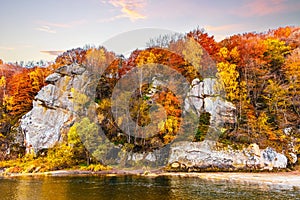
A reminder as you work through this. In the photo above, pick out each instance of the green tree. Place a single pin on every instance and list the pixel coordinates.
(84, 137)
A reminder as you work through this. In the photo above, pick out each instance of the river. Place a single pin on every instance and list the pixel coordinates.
(135, 187)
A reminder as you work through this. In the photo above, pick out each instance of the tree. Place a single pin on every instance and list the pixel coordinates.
(228, 75)
(2, 86)
(97, 59)
(23, 86)
(208, 43)
(275, 53)
(71, 56)
(275, 95)
(86, 142)
(164, 41)
(292, 73)
(282, 33)
(192, 53)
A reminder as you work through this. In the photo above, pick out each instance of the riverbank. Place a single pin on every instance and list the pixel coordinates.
(280, 180)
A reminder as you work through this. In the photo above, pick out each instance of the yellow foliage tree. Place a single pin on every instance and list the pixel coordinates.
(96, 60)
(228, 77)
(3, 85)
(192, 52)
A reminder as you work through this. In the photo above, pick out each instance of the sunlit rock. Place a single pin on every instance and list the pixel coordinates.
(56, 107)
(53, 78)
(197, 156)
(204, 97)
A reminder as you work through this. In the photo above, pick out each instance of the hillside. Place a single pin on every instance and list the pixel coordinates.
(243, 93)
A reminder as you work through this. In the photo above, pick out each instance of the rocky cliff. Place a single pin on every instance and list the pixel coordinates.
(63, 101)
(55, 107)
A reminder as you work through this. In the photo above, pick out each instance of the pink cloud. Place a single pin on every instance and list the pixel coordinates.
(48, 27)
(227, 27)
(62, 25)
(52, 53)
(261, 8)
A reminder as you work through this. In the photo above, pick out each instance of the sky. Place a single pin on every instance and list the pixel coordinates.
(41, 29)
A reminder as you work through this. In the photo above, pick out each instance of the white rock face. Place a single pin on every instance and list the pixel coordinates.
(55, 107)
(195, 156)
(204, 97)
(42, 127)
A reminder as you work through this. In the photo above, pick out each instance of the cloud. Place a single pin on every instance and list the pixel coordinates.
(221, 32)
(46, 29)
(261, 8)
(112, 18)
(130, 8)
(63, 25)
(52, 53)
(228, 27)
(7, 48)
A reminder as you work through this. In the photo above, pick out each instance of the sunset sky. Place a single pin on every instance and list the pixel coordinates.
(40, 29)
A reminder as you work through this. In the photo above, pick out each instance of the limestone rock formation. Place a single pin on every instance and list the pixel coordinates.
(195, 156)
(204, 97)
(56, 107)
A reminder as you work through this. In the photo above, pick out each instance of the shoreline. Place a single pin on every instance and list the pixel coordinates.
(277, 180)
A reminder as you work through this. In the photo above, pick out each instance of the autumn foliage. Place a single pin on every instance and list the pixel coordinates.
(264, 71)
(260, 73)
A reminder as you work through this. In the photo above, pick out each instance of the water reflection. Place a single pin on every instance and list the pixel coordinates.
(133, 187)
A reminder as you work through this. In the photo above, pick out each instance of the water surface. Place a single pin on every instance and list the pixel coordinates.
(134, 187)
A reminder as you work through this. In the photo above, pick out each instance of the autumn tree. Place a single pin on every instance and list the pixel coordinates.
(71, 56)
(97, 59)
(292, 73)
(228, 74)
(275, 96)
(86, 142)
(207, 42)
(22, 89)
(275, 54)
(3, 86)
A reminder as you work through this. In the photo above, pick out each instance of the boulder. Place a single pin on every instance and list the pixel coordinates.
(69, 70)
(77, 70)
(63, 70)
(53, 78)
